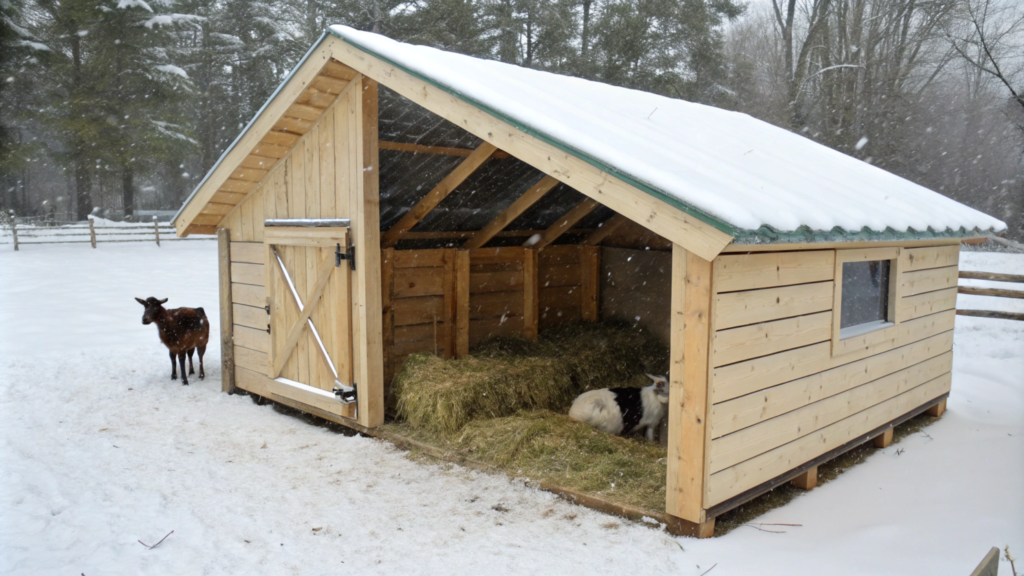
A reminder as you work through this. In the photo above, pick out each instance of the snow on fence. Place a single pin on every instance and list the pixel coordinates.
(95, 231)
(998, 292)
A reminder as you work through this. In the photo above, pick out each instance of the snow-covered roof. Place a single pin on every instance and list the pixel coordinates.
(745, 176)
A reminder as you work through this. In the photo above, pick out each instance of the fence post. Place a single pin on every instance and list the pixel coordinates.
(14, 231)
(156, 229)
(92, 232)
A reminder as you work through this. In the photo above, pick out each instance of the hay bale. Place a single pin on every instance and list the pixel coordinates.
(506, 375)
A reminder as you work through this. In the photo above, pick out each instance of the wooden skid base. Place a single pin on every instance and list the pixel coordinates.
(883, 440)
(808, 480)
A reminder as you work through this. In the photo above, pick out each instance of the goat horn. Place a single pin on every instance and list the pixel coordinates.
(161, 301)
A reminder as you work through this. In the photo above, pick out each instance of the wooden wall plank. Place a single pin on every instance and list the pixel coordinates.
(742, 477)
(250, 316)
(750, 376)
(750, 442)
(765, 270)
(251, 252)
(248, 294)
(252, 338)
(746, 342)
(250, 359)
(929, 280)
(243, 273)
(925, 304)
(753, 306)
(413, 282)
(933, 257)
(736, 414)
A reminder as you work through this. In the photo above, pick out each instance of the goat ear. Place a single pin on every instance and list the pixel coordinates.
(140, 301)
(161, 301)
(655, 379)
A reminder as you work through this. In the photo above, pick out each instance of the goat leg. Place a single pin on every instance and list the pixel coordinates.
(181, 360)
(191, 370)
(174, 367)
(202, 350)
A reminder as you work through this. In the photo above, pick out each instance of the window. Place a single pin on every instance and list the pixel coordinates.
(865, 293)
(865, 296)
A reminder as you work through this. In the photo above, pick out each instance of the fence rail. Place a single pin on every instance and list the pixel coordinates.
(997, 292)
(91, 233)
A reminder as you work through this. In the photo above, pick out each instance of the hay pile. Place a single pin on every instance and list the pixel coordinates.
(547, 447)
(504, 407)
(504, 376)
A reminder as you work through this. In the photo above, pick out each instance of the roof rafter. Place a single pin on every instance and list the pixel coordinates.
(437, 194)
(529, 198)
(605, 230)
(564, 223)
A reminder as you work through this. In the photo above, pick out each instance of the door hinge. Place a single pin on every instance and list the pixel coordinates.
(349, 254)
(347, 394)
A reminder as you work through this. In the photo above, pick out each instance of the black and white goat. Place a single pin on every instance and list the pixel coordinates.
(624, 410)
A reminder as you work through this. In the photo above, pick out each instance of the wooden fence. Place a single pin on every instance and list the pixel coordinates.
(998, 292)
(91, 232)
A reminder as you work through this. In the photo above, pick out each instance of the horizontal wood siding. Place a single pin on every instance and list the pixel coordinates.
(560, 285)
(781, 395)
(421, 322)
(496, 297)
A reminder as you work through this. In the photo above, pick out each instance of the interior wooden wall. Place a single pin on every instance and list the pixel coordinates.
(780, 396)
(445, 300)
(569, 284)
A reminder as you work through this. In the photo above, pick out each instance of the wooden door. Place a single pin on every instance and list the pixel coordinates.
(309, 292)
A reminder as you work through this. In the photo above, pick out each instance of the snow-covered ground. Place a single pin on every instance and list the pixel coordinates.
(99, 449)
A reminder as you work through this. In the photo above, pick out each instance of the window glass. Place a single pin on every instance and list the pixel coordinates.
(865, 293)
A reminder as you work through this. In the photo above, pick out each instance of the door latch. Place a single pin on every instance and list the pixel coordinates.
(349, 254)
(346, 394)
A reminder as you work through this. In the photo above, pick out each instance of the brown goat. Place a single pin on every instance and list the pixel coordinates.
(182, 330)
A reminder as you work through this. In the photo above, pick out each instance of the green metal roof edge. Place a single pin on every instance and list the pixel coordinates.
(804, 234)
(763, 235)
(671, 200)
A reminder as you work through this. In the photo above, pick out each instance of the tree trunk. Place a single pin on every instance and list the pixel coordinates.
(83, 185)
(128, 192)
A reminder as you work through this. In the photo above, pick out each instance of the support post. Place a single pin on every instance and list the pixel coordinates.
(92, 232)
(364, 211)
(14, 231)
(531, 295)
(156, 230)
(689, 402)
(883, 440)
(937, 410)
(590, 282)
(450, 303)
(461, 303)
(808, 480)
(227, 347)
(387, 275)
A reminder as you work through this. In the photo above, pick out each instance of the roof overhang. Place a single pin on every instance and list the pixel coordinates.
(654, 211)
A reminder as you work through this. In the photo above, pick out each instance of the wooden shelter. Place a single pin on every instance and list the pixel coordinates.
(372, 209)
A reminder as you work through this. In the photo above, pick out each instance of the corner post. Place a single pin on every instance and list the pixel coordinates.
(227, 347)
(364, 211)
(689, 391)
